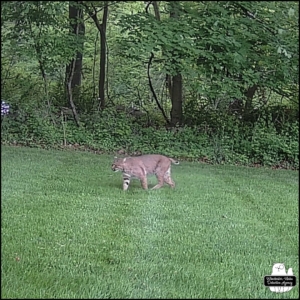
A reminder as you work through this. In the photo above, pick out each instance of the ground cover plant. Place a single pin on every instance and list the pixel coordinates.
(69, 231)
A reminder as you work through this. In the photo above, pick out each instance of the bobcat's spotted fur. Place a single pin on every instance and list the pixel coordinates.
(141, 166)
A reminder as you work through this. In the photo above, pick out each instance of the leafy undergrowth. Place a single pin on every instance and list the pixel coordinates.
(226, 141)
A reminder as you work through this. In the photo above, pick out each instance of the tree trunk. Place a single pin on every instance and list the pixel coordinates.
(102, 74)
(168, 77)
(176, 111)
(175, 83)
(92, 11)
(78, 28)
(73, 70)
(70, 95)
(249, 115)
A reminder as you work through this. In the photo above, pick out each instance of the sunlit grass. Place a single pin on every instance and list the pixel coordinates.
(69, 231)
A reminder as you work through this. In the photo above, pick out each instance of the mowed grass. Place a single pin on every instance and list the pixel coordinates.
(69, 231)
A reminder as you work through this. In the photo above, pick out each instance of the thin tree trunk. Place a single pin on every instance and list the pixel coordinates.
(103, 58)
(102, 29)
(175, 83)
(176, 111)
(70, 95)
(249, 116)
(72, 66)
(94, 66)
(78, 28)
(156, 10)
(168, 77)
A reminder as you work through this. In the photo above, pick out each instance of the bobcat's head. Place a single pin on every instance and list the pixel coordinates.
(118, 164)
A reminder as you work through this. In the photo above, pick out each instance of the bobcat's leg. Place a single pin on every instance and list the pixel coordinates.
(168, 179)
(126, 181)
(160, 182)
(144, 183)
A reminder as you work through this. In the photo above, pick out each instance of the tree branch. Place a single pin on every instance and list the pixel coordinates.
(69, 85)
(251, 15)
(152, 89)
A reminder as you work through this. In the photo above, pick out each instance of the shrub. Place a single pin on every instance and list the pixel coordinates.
(225, 140)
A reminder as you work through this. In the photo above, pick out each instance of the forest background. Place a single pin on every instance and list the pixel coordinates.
(215, 81)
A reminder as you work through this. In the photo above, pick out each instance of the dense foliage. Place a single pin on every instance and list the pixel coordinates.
(220, 139)
(110, 75)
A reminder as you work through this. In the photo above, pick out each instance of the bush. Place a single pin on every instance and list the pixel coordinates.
(225, 140)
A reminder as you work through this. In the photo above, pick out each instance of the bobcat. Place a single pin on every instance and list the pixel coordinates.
(141, 166)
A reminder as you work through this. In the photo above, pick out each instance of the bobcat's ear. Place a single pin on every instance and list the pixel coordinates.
(124, 159)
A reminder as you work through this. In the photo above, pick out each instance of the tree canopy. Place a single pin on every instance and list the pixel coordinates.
(221, 48)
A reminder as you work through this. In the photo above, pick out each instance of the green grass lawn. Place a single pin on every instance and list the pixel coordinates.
(69, 231)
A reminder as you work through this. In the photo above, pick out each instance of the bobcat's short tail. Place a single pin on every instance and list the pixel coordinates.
(175, 162)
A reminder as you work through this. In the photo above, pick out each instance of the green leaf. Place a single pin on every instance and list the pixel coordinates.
(291, 12)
